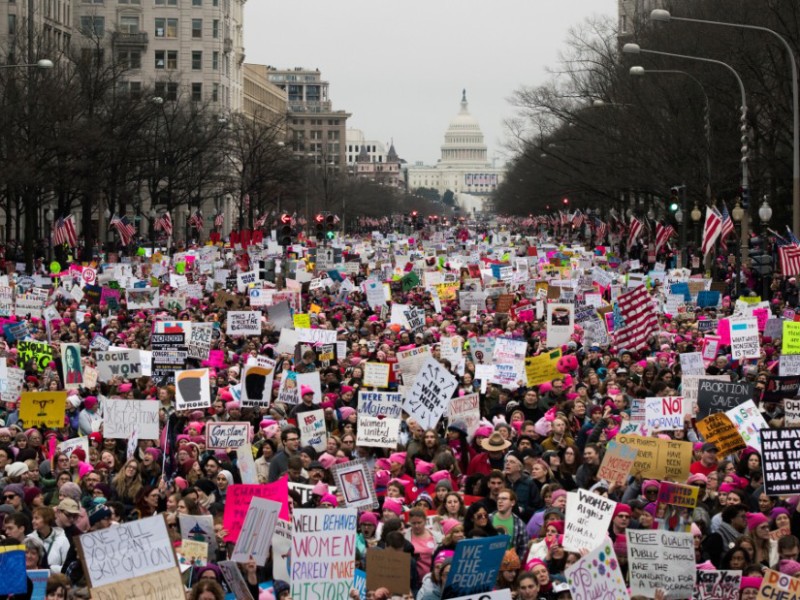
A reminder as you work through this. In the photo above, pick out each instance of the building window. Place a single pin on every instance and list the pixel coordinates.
(12, 24)
(215, 60)
(215, 92)
(135, 89)
(166, 28)
(197, 28)
(215, 29)
(197, 2)
(129, 24)
(197, 60)
(333, 135)
(93, 26)
(172, 59)
(168, 90)
(197, 92)
(129, 59)
(161, 59)
(214, 2)
(166, 2)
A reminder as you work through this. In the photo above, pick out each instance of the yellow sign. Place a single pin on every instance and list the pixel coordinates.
(791, 337)
(541, 369)
(447, 291)
(315, 308)
(43, 408)
(161, 584)
(750, 299)
(657, 458)
(302, 321)
(718, 429)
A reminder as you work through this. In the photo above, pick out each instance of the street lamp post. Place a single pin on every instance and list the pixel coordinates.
(43, 64)
(638, 71)
(696, 216)
(738, 214)
(636, 49)
(664, 16)
(49, 215)
(152, 214)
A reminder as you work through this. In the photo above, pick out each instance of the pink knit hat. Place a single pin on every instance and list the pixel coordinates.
(449, 524)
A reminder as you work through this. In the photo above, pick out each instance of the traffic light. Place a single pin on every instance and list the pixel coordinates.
(331, 222)
(285, 230)
(319, 226)
(674, 203)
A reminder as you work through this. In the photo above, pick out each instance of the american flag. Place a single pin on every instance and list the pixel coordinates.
(600, 230)
(64, 232)
(711, 229)
(125, 230)
(788, 253)
(635, 228)
(727, 228)
(219, 220)
(577, 218)
(261, 221)
(164, 223)
(663, 233)
(196, 221)
(636, 308)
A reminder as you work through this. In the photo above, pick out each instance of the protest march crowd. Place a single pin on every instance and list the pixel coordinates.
(482, 410)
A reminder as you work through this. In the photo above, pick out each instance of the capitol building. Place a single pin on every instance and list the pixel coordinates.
(463, 168)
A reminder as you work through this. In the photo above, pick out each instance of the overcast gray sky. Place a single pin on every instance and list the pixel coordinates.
(399, 68)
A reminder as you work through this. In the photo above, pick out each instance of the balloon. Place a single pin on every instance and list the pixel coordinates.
(55, 267)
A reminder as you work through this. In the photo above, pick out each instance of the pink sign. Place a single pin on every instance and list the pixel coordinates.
(216, 358)
(724, 331)
(237, 501)
(761, 315)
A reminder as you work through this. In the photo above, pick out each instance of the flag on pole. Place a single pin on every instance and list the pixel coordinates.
(788, 253)
(711, 229)
(600, 230)
(164, 223)
(261, 221)
(636, 308)
(727, 228)
(196, 220)
(663, 233)
(124, 228)
(64, 232)
(635, 229)
(219, 220)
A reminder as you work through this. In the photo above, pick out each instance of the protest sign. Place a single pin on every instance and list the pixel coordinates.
(560, 324)
(587, 520)
(791, 337)
(235, 580)
(430, 393)
(778, 586)
(246, 464)
(388, 568)
(744, 339)
(12, 566)
(288, 391)
(192, 389)
(237, 501)
(720, 431)
(661, 559)
(721, 396)
(192, 554)
(121, 417)
(355, 481)
(118, 363)
(791, 410)
(38, 578)
(411, 361)
(225, 435)
(376, 374)
(45, 409)
(503, 594)
(312, 429)
(657, 458)
(323, 553)
(257, 529)
(373, 432)
(142, 298)
(160, 584)
(779, 388)
(243, 323)
(691, 383)
(617, 463)
(542, 368)
(40, 352)
(749, 421)
(465, 410)
(282, 550)
(257, 383)
(199, 342)
(72, 369)
(665, 413)
(311, 380)
(597, 576)
(717, 585)
(475, 565)
(678, 494)
(68, 446)
(788, 365)
(380, 404)
(128, 550)
(781, 461)
(415, 318)
(692, 363)
(199, 528)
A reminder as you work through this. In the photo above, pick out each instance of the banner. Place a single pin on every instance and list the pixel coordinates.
(657, 458)
(475, 566)
(323, 553)
(717, 585)
(257, 383)
(721, 396)
(192, 389)
(720, 431)
(224, 435)
(617, 463)
(126, 364)
(430, 393)
(237, 501)
(121, 417)
(597, 576)
(312, 429)
(45, 409)
(243, 323)
(587, 520)
(661, 559)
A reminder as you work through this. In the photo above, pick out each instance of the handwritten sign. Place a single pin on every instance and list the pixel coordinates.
(237, 501)
(791, 409)
(661, 559)
(678, 494)
(749, 421)
(376, 374)
(199, 343)
(542, 368)
(778, 586)
(223, 435)
(388, 568)
(323, 553)
(717, 585)
(657, 458)
(430, 393)
(596, 576)
(791, 337)
(617, 463)
(312, 429)
(243, 323)
(665, 413)
(40, 352)
(43, 408)
(256, 534)
(466, 411)
(587, 520)
(376, 432)
(126, 364)
(160, 584)
(720, 396)
(380, 404)
(121, 417)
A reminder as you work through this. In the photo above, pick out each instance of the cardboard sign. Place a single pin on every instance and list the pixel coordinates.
(678, 494)
(720, 396)
(597, 575)
(323, 553)
(617, 463)
(657, 458)
(122, 417)
(226, 435)
(587, 520)
(128, 550)
(243, 323)
(781, 461)
(717, 585)
(45, 409)
(376, 374)
(126, 364)
(388, 568)
(720, 431)
(237, 502)
(355, 481)
(312, 429)
(661, 559)
(192, 389)
(160, 584)
(475, 566)
(430, 393)
(542, 368)
(665, 413)
(778, 586)
(256, 534)
(692, 363)
(466, 411)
